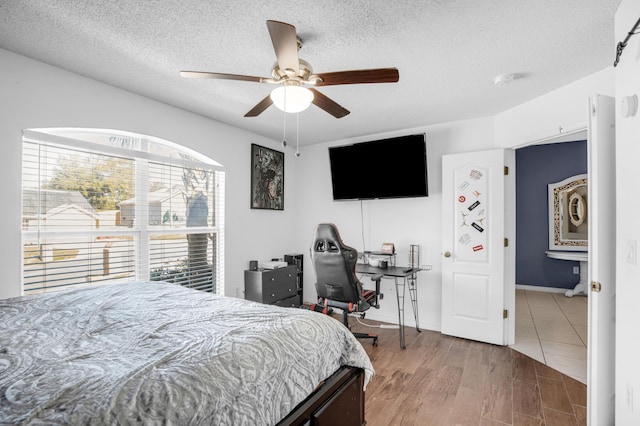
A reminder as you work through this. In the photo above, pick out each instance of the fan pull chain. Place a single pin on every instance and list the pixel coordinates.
(297, 134)
(284, 120)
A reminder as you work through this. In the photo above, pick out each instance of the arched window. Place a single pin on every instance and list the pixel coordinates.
(110, 206)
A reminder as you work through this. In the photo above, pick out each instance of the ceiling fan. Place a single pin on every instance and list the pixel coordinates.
(292, 73)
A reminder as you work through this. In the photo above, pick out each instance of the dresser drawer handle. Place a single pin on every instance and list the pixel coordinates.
(273, 279)
(273, 295)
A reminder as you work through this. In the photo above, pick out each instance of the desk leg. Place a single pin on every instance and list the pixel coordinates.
(400, 299)
(413, 295)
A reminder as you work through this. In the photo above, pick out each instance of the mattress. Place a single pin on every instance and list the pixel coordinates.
(158, 353)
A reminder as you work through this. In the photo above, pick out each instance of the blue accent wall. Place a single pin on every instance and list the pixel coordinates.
(536, 167)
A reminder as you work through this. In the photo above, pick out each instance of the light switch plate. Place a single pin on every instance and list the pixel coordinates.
(631, 252)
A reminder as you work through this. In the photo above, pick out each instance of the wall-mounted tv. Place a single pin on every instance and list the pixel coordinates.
(384, 168)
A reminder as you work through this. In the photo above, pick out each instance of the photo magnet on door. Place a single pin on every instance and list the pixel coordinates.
(474, 205)
(478, 227)
(475, 174)
(464, 239)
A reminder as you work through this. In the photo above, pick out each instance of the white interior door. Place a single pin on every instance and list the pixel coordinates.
(473, 244)
(602, 258)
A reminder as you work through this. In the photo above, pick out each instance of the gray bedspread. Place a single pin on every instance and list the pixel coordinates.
(157, 353)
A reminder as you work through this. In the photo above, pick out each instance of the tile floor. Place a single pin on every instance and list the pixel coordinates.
(552, 329)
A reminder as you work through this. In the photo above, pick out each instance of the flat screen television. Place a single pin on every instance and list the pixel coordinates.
(384, 168)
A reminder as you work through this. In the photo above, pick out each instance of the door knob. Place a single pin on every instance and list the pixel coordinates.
(447, 254)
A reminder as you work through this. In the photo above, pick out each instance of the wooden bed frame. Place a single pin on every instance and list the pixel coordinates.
(338, 400)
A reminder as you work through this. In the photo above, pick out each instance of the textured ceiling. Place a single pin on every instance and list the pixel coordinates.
(447, 53)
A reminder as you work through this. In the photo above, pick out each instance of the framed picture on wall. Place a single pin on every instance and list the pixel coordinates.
(267, 178)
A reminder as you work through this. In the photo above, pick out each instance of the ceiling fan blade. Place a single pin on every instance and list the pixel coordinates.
(377, 75)
(285, 44)
(221, 76)
(258, 109)
(330, 106)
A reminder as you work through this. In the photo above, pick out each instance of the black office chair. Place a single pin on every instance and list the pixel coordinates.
(336, 282)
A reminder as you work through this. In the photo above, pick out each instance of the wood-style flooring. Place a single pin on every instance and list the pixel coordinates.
(443, 380)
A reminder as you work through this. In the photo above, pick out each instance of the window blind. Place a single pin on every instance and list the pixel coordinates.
(82, 208)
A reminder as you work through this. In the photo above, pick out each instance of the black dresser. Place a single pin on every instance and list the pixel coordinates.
(273, 286)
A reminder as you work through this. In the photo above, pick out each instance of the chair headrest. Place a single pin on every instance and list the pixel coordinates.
(327, 238)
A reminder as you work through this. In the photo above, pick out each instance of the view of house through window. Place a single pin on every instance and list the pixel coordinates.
(110, 206)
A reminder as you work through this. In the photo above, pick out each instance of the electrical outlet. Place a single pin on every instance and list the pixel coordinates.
(576, 270)
(426, 267)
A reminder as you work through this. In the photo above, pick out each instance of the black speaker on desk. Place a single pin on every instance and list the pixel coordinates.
(253, 265)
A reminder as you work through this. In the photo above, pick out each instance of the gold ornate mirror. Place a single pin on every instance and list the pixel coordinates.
(568, 220)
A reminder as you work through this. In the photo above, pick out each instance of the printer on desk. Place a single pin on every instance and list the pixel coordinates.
(274, 264)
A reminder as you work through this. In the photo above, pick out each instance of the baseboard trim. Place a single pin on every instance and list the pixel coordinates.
(539, 288)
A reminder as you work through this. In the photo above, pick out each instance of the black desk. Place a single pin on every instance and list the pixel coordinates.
(402, 277)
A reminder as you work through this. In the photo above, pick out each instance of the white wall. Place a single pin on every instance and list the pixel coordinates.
(37, 95)
(627, 82)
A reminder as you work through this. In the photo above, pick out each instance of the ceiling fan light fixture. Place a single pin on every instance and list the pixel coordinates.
(291, 98)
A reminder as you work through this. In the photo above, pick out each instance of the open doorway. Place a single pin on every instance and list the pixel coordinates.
(601, 256)
(549, 326)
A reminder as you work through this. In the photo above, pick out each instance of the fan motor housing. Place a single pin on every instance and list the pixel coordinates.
(304, 71)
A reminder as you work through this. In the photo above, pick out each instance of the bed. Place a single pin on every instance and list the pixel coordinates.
(158, 353)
